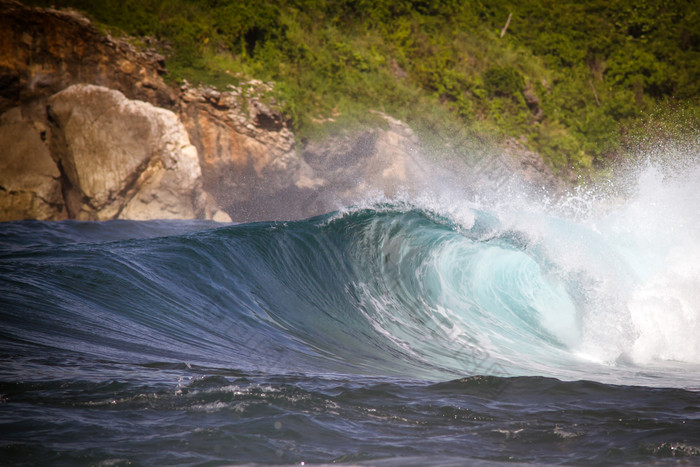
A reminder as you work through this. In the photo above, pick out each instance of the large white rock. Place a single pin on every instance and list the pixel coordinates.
(123, 158)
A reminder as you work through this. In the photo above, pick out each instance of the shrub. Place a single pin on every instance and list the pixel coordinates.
(594, 66)
(503, 81)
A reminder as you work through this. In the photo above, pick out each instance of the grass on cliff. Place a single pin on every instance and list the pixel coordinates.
(569, 79)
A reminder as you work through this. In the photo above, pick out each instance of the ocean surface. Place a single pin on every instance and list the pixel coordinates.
(409, 331)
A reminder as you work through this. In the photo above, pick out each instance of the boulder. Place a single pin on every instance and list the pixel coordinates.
(531, 169)
(122, 158)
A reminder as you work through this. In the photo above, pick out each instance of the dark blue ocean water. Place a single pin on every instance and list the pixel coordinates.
(391, 335)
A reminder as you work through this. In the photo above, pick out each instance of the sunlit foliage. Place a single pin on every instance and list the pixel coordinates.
(564, 77)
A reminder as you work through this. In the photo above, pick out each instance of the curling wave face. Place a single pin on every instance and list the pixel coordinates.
(394, 289)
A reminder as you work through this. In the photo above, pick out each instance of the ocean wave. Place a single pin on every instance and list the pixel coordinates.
(393, 289)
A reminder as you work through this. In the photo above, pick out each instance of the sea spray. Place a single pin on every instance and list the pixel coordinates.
(658, 231)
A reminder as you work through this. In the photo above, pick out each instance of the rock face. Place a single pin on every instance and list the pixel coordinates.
(122, 158)
(246, 151)
(25, 193)
(253, 168)
(69, 150)
(379, 161)
(43, 51)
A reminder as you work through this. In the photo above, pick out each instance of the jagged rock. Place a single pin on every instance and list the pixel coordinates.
(247, 153)
(43, 51)
(29, 178)
(251, 165)
(122, 158)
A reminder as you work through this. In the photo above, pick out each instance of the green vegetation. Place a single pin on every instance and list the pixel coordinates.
(568, 78)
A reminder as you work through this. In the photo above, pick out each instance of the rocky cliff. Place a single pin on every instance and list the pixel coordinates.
(99, 151)
(90, 130)
(43, 51)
